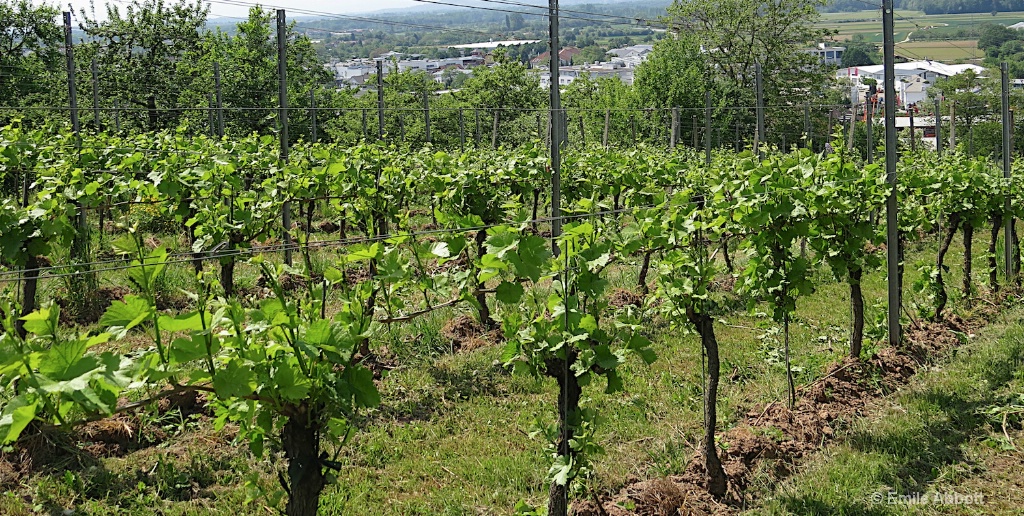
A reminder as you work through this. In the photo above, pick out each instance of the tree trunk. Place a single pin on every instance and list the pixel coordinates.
(301, 442)
(28, 292)
(569, 392)
(857, 308)
(789, 368)
(481, 298)
(968, 255)
(993, 262)
(725, 254)
(227, 275)
(645, 267)
(716, 475)
(940, 295)
(1016, 256)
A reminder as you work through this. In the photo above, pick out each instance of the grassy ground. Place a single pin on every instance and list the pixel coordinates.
(945, 51)
(451, 435)
(942, 435)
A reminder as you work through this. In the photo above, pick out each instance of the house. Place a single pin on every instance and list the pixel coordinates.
(1016, 26)
(564, 57)
(829, 55)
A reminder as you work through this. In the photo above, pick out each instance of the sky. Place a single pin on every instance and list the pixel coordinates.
(218, 9)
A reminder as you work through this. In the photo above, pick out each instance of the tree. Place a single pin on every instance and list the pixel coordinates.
(249, 74)
(731, 37)
(30, 42)
(859, 52)
(139, 53)
(993, 36)
(735, 34)
(516, 22)
(507, 91)
(970, 96)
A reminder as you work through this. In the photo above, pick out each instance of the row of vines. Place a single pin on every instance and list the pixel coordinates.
(415, 232)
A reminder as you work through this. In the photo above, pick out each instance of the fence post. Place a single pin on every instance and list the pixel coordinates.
(220, 100)
(282, 99)
(693, 131)
(476, 112)
(380, 99)
(632, 125)
(952, 125)
(312, 113)
(674, 128)
(891, 210)
(853, 127)
(938, 128)
(807, 126)
(583, 131)
(364, 124)
(426, 116)
(117, 115)
(913, 139)
(1007, 172)
(86, 281)
(210, 117)
(707, 127)
(759, 135)
(607, 122)
(870, 137)
(494, 131)
(95, 96)
(462, 131)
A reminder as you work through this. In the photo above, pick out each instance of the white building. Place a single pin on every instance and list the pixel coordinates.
(829, 55)
(912, 79)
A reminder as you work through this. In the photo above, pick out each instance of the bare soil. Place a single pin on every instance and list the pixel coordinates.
(774, 438)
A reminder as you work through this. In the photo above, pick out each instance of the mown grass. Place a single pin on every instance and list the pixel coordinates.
(451, 435)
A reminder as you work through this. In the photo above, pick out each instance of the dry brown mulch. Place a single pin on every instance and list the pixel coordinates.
(466, 334)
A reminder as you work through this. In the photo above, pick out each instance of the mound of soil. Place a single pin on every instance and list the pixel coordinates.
(774, 437)
(466, 333)
(54, 449)
(99, 300)
(621, 298)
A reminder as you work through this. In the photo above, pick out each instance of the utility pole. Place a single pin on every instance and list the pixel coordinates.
(891, 214)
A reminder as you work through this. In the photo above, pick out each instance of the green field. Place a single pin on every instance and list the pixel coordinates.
(909, 24)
